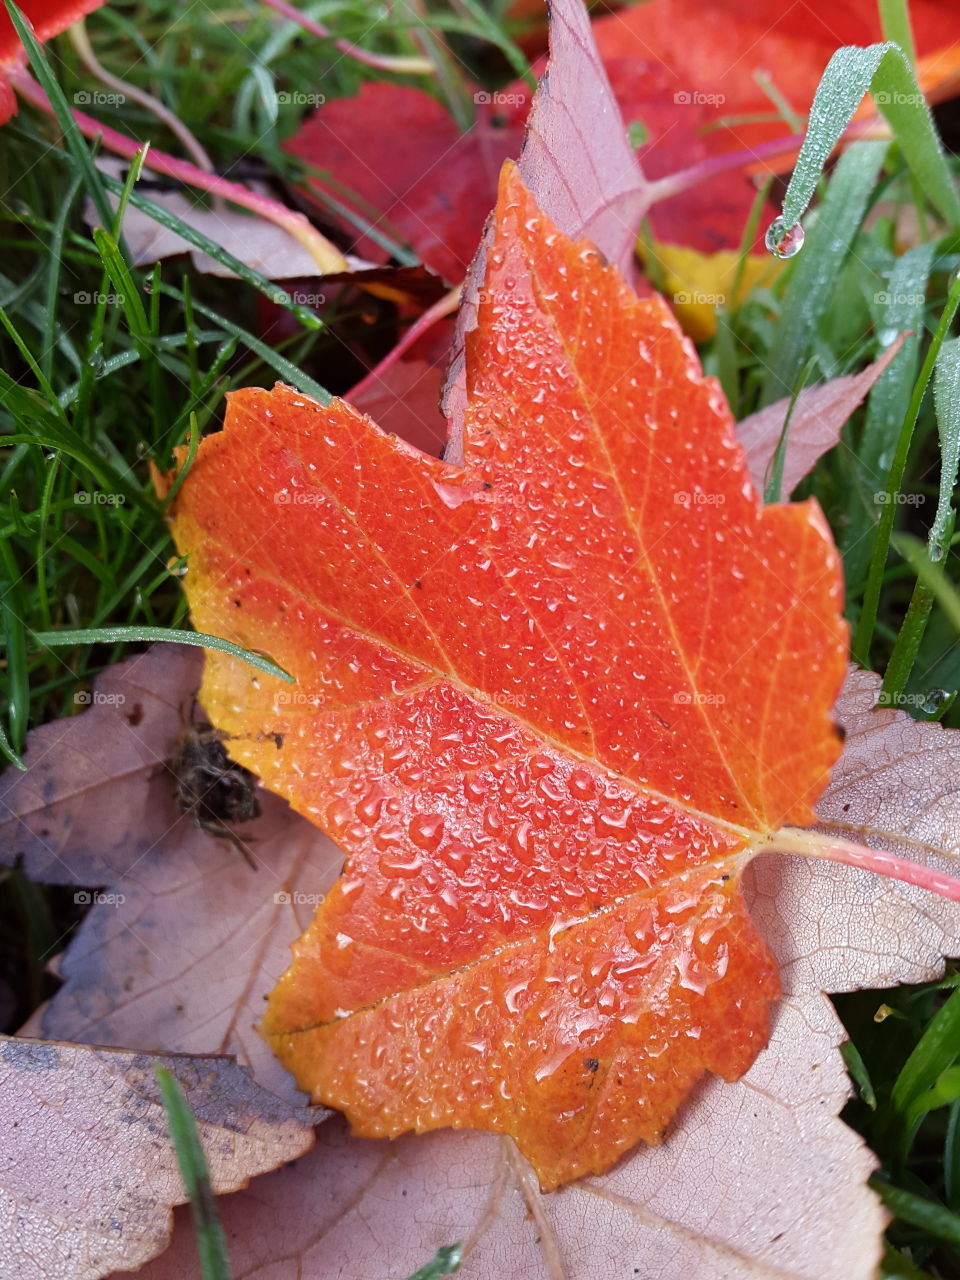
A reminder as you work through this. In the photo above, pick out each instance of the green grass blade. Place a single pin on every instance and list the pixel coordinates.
(287, 370)
(932, 575)
(920, 1212)
(857, 1070)
(15, 644)
(895, 23)
(132, 635)
(903, 310)
(446, 1263)
(54, 267)
(937, 1049)
(6, 749)
(211, 1242)
(849, 75)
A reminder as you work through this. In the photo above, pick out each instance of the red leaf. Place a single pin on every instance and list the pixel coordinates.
(524, 711)
(397, 159)
(48, 18)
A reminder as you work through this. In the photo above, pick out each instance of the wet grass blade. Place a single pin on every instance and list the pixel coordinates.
(850, 74)
(818, 267)
(134, 635)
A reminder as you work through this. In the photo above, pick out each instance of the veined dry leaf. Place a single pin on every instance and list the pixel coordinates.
(178, 951)
(526, 716)
(759, 1178)
(88, 1175)
(818, 417)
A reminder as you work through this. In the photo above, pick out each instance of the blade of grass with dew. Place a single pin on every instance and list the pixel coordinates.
(210, 1240)
(134, 635)
(946, 401)
(863, 636)
(850, 73)
(819, 265)
(903, 309)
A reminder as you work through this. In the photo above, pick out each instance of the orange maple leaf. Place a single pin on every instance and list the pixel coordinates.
(550, 703)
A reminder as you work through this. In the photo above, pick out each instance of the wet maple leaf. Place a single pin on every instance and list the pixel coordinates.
(550, 703)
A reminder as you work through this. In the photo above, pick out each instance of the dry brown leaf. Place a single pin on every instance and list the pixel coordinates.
(757, 1178)
(819, 416)
(88, 1176)
(184, 961)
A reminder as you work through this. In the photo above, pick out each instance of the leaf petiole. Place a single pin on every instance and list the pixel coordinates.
(817, 844)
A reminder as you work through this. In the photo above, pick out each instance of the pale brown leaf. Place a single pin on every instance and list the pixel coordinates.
(88, 1176)
(186, 939)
